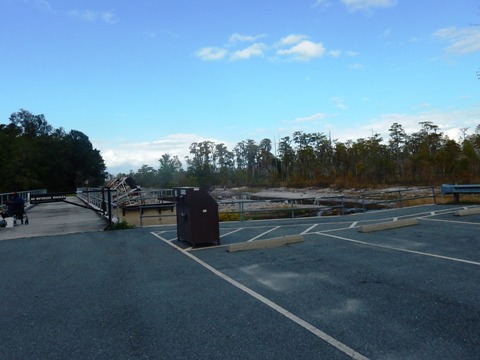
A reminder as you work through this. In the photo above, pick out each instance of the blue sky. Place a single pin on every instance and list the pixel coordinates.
(144, 78)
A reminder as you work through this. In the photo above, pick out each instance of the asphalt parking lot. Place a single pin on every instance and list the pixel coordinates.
(404, 293)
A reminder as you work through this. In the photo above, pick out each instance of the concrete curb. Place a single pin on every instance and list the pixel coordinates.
(465, 212)
(267, 243)
(388, 225)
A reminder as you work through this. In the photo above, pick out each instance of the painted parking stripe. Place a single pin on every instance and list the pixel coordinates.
(299, 321)
(310, 228)
(231, 232)
(399, 249)
(266, 232)
(452, 221)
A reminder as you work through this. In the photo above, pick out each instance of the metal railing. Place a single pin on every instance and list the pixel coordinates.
(100, 199)
(338, 205)
(372, 199)
(243, 208)
(24, 194)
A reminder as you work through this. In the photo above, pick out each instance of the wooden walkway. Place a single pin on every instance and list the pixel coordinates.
(55, 219)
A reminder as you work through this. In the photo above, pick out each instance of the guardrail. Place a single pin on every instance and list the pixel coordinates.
(456, 190)
(293, 207)
(331, 205)
(244, 209)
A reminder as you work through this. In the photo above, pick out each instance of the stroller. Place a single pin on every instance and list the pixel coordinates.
(17, 214)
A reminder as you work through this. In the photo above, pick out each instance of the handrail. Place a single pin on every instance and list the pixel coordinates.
(334, 204)
(24, 194)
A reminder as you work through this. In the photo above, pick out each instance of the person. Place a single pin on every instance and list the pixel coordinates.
(15, 207)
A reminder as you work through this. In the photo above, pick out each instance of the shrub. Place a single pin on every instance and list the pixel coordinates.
(121, 224)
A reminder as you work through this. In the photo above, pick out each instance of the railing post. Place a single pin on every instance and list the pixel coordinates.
(109, 199)
(400, 197)
(433, 195)
(103, 205)
(240, 209)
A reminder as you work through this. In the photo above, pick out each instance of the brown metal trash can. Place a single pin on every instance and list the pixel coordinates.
(197, 216)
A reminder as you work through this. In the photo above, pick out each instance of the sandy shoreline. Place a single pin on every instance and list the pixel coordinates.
(229, 199)
(292, 193)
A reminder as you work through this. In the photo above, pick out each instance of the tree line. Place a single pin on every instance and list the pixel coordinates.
(37, 156)
(424, 157)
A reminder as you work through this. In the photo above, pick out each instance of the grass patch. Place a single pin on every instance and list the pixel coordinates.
(120, 225)
(228, 216)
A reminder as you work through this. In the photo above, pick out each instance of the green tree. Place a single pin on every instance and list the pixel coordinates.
(305, 155)
(146, 177)
(287, 157)
(170, 171)
(200, 165)
(31, 125)
(246, 153)
(86, 162)
(267, 162)
(40, 156)
(398, 139)
(224, 161)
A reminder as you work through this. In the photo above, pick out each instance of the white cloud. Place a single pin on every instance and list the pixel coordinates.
(211, 53)
(352, 53)
(461, 41)
(314, 117)
(322, 4)
(43, 5)
(303, 51)
(356, 66)
(235, 38)
(448, 122)
(107, 17)
(334, 53)
(40, 4)
(294, 47)
(339, 103)
(123, 156)
(386, 33)
(257, 49)
(367, 5)
(292, 39)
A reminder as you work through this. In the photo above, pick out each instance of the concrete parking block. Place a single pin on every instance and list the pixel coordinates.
(466, 212)
(388, 225)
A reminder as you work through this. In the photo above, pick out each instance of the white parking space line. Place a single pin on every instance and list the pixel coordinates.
(452, 221)
(266, 232)
(438, 212)
(400, 249)
(353, 224)
(232, 232)
(299, 321)
(310, 228)
(167, 231)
